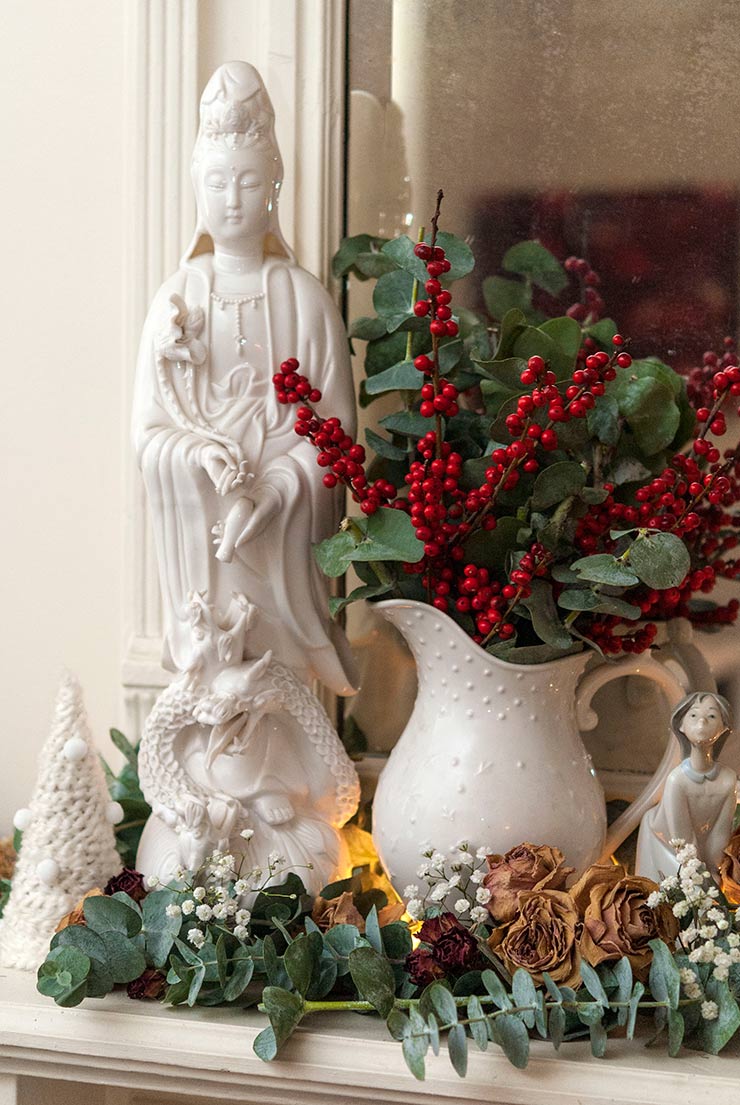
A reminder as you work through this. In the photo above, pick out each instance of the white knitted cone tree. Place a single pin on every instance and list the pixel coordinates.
(68, 842)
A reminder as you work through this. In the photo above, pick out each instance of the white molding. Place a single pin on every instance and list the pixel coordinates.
(298, 46)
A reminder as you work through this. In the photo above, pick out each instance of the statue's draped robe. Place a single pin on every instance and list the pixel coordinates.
(276, 570)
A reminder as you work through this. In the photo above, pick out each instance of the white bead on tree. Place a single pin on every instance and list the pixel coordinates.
(68, 844)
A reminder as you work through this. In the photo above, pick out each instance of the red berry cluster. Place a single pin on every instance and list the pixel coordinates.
(291, 387)
(338, 453)
(433, 500)
(700, 380)
(587, 384)
(438, 395)
(589, 308)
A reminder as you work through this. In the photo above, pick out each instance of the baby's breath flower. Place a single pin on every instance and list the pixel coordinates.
(275, 859)
(173, 910)
(247, 834)
(482, 895)
(199, 893)
(415, 909)
(462, 905)
(151, 881)
(204, 912)
(188, 906)
(733, 939)
(220, 911)
(422, 872)
(479, 914)
(655, 899)
(709, 1010)
(243, 916)
(196, 938)
(240, 887)
(240, 932)
(454, 881)
(477, 877)
(410, 891)
(680, 909)
(481, 853)
(440, 892)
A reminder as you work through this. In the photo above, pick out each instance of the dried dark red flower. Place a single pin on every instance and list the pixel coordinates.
(422, 967)
(454, 948)
(151, 984)
(129, 882)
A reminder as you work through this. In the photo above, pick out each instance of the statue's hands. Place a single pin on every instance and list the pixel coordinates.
(267, 504)
(225, 473)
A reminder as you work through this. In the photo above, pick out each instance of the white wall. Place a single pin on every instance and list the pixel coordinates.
(61, 136)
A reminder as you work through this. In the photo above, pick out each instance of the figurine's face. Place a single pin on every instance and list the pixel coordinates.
(703, 723)
(234, 190)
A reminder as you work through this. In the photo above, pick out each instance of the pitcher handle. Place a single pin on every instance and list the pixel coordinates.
(674, 690)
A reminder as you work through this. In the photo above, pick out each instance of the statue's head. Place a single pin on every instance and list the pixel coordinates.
(702, 719)
(236, 168)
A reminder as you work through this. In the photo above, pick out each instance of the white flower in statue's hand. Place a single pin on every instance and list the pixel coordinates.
(187, 907)
(415, 909)
(196, 938)
(677, 842)
(709, 1010)
(462, 905)
(479, 914)
(204, 913)
(173, 910)
(482, 895)
(179, 340)
(247, 834)
(199, 893)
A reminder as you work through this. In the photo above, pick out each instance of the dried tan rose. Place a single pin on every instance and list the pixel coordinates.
(617, 921)
(541, 938)
(394, 911)
(77, 916)
(328, 912)
(526, 867)
(729, 870)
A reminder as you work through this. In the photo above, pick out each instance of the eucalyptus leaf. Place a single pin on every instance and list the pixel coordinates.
(414, 1050)
(372, 930)
(399, 377)
(501, 294)
(605, 568)
(159, 929)
(401, 251)
(603, 420)
(511, 1035)
(409, 423)
(301, 959)
(714, 1035)
(334, 554)
(457, 1046)
(349, 249)
(104, 914)
(524, 992)
(393, 297)
(676, 1030)
(597, 1034)
(442, 1002)
(634, 1006)
(496, 990)
(337, 603)
(557, 1025)
(661, 560)
(458, 253)
(545, 621)
(373, 976)
(389, 535)
(383, 447)
(533, 260)
(556, 483)
(367, 328)
(477, 1025)
(285, 1011)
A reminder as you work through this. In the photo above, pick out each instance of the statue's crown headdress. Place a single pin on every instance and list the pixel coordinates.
(235, 107)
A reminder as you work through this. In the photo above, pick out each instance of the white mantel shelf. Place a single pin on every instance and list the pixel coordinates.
(207, 1055)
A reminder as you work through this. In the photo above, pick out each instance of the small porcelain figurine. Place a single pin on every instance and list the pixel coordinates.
(236, 502)
(700, 795)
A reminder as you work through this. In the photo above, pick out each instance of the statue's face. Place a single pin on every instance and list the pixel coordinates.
(703, 723)
(234, 189)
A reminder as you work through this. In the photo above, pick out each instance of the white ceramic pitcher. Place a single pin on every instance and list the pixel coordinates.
(492, 752)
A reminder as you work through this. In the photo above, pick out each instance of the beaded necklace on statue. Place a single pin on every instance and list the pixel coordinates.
(237, 302)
